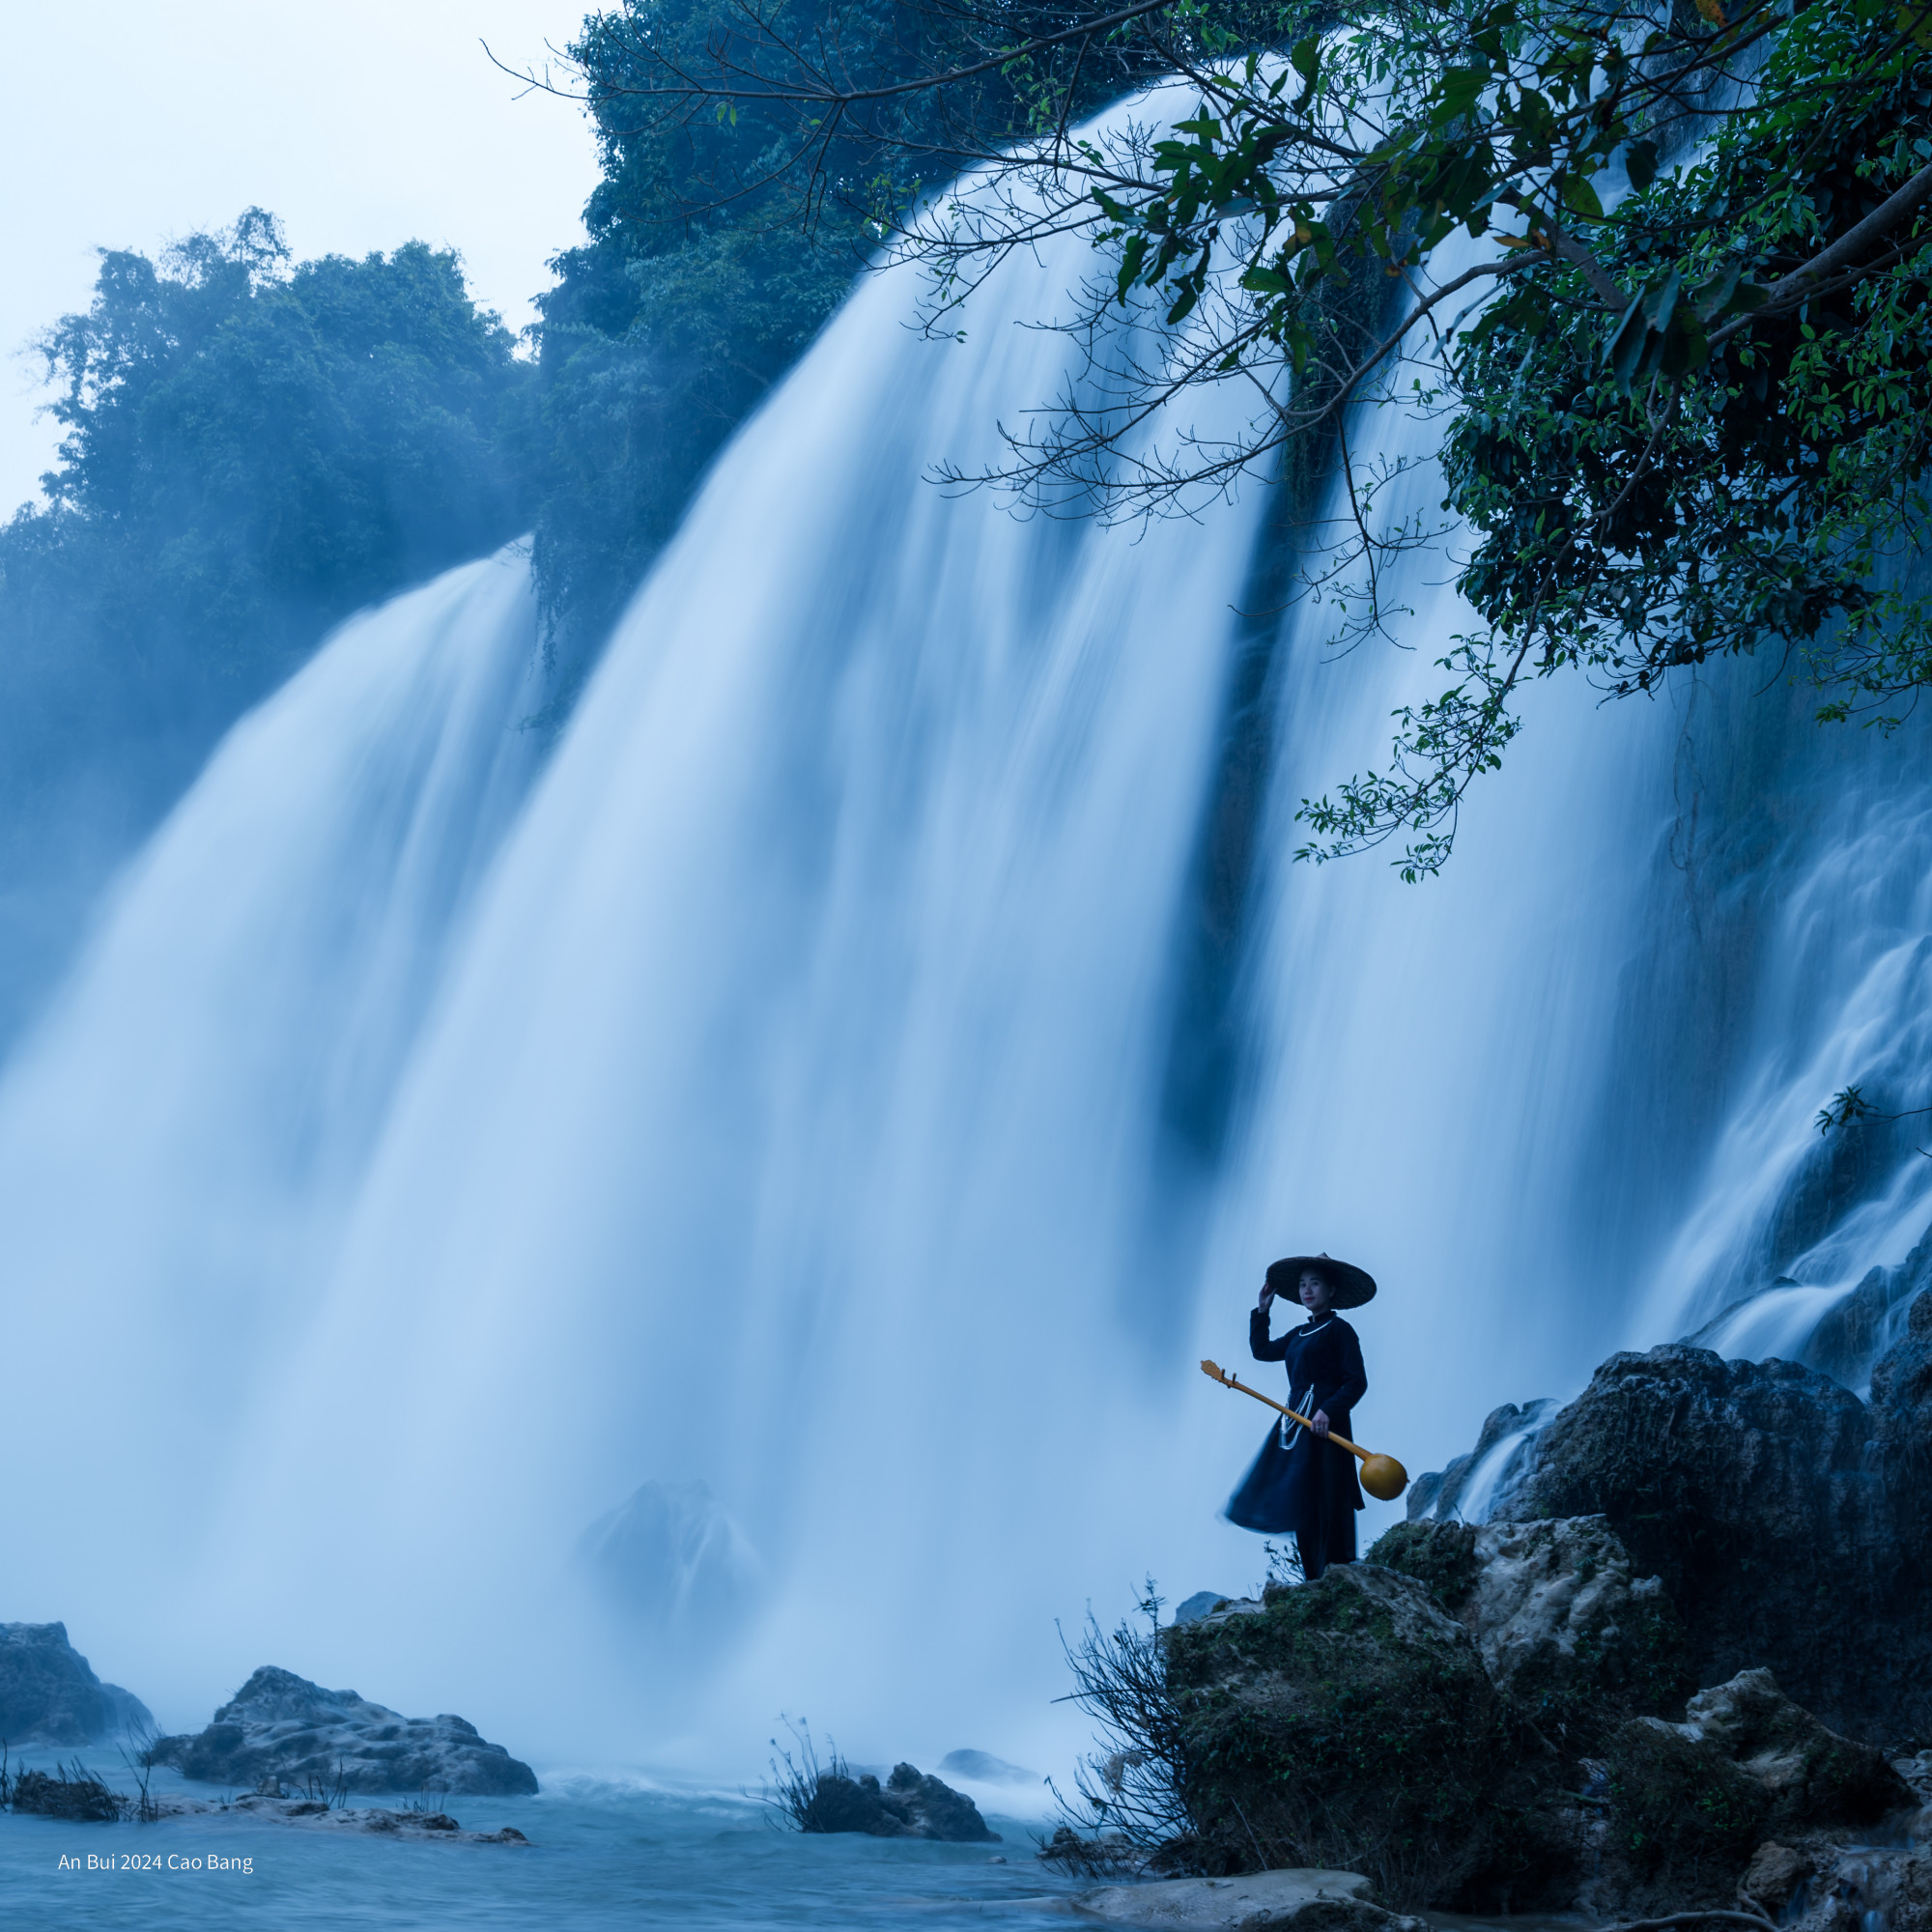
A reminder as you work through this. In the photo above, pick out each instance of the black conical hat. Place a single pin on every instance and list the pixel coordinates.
(1352, 1285)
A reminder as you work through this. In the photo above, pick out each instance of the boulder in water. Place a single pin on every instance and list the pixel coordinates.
(671, 1560)
(49, 1695)
(909, 1804)
(279, 1727)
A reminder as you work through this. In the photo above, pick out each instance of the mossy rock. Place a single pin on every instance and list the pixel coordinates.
(1813, 1779)
(1348, 1724)
(1442, 1556)
(1575, 1641)
(1684, 1818)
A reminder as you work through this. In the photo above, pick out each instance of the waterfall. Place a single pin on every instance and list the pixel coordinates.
(812, 1129)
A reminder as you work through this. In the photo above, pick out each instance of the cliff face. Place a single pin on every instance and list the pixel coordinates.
(1784, 1517)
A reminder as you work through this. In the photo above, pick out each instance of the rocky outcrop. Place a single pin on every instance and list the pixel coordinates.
(1823, 1888)
(1505, 1436)
(1812, 1778)
(1572, 1639)
(49, 1694)
(909, 1804)
(1270, 1901)
(1901, 1406)
(1690, 1804)
(1500, 1715)
(1347, 1724)
(281, 1726)
(1569, 1636)
(1756, 1492)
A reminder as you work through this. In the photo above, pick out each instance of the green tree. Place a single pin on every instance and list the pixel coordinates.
(720, 240)
(252, 449)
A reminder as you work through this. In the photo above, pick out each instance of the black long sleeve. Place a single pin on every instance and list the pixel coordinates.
(1259, 1344)
(1342, 1396)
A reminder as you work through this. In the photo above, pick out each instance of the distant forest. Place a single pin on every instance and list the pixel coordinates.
(254, 447)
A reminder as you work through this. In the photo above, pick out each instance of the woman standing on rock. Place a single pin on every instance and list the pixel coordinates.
(1301, 1483)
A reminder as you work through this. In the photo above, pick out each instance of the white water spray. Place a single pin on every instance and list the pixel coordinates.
(808, 1104)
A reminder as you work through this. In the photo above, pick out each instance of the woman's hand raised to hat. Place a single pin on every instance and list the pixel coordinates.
(1266, 1299)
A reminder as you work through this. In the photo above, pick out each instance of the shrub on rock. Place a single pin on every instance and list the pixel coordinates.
(1442, 1556)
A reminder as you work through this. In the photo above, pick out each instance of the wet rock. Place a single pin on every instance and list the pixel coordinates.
(273, 1808)
(1812, 1778)
(1748, 1490)
(909, 1804)
(1347, 1725)
(1901, 1403)
(49, 1695)
(1694, 1805)
(1568, 1634)
(1774, 1872)
(1851, 1889)
(1308, 1900)
(1572, 1639)
(279, 1727)
(1441, 1492)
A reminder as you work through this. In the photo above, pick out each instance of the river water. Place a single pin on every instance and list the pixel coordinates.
(602, 1854)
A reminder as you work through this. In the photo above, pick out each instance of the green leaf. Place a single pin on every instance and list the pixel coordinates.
(1580, 198)
(1640, 163)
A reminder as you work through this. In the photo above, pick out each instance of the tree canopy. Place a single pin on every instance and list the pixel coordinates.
(1656, 274)
(254, 447)
(719, 241)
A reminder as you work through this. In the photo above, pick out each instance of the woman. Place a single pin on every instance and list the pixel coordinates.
(1302, 1482)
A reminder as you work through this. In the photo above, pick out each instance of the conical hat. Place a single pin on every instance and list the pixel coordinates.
(1349, 1285)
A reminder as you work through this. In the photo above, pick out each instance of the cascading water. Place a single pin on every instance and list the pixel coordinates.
(809, 1147)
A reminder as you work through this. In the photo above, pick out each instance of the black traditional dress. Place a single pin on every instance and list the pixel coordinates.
(1300, 1484)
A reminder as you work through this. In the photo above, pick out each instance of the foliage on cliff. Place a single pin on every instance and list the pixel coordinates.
(1658, 274)
(718, 243)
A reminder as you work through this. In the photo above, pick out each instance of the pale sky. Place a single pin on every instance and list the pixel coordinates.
(362, 124)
